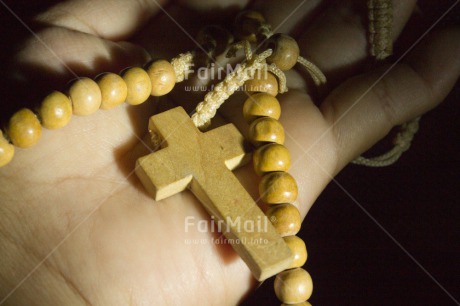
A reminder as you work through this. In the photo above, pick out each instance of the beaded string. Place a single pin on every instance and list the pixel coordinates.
(278, 189)
(135, 85)
(271, 160)
(261, 110)
(85, 96)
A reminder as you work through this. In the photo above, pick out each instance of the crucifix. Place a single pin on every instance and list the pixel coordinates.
(203, 163)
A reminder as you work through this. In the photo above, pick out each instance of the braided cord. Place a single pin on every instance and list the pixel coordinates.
(207, 109)
(401, 142)
(316, 74)
(381, 46)
(182, 64)
(380, 28)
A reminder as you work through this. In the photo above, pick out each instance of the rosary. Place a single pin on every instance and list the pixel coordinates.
(186, 156)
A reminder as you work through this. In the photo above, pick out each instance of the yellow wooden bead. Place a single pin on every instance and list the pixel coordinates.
(293, 286)
(24, 128)
(139, 85)
(261, 105)
(270, 158)
(298, 249)
(85, 96)
(285, 218)
(6, 151)
(263, 81)
(247, 24)
(285, 51)
(113, 90)
(162, 77)
(278, 187)
(265, 130)
(55, 110)
(297, 304)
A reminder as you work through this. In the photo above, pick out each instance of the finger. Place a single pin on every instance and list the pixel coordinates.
(54, 56)
(63, 51)
(211, 6)
(364, 109)
(110, 19)
(338, 42)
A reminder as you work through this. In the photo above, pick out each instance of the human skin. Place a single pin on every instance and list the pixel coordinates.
(79, 228)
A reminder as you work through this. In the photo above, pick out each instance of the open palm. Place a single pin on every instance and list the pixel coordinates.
(76, 225)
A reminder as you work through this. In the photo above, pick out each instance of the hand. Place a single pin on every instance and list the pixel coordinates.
(77, 227)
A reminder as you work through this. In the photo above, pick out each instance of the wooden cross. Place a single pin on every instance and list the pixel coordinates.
(203, 162)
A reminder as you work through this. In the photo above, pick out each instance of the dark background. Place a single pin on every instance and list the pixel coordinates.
(352, 258)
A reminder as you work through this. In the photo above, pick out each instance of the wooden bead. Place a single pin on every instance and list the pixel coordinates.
(246, 25)
(297, 304)
(285, 218)
(285, 51)
(263, 81)
(270, 158)
(85, 96)
(139, 85)
(265, 130)
(261, 105)
(113, 90)
(293, 286)
(162, 77)
(278, 187)
(24, 128)
(6, 151)
(298, 249)
(55, 110)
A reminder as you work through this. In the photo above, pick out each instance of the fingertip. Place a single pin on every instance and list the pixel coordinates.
(133, 54)
(110, 19)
